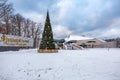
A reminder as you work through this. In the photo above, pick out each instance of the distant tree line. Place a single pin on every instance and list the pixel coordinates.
(16, 24)
(117, 40)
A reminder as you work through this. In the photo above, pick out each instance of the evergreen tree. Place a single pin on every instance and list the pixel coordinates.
(47, 36)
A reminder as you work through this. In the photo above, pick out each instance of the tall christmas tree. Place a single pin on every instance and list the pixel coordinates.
(47, 44)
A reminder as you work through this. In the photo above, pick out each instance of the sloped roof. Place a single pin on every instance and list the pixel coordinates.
(76, 37)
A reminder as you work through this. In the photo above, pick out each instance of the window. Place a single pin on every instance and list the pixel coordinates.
(91, 41)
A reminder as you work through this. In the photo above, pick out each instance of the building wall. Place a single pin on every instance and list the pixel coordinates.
(91, 43)
(118, 43)
(111, 44)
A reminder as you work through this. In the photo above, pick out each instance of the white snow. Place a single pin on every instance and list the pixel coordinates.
(76, 37)
(87, 64)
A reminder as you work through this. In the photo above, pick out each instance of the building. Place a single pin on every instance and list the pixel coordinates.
(118, 42)
(112, 43)
(85, 42)
(91, 43)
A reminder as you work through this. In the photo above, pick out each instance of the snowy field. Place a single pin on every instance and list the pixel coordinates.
(88, 64)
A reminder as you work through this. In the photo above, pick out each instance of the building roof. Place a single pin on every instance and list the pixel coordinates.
(76, 37)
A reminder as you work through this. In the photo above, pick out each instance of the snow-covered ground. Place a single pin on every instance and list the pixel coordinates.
(88, 64)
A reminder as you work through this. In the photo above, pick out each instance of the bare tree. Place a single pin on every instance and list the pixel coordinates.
(27, 27)
(5, 8)
(17, 24)
(2, 28)
(6, 11)
(33, 30)
(37, 32)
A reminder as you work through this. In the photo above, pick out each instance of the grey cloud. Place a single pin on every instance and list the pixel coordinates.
(78, 18)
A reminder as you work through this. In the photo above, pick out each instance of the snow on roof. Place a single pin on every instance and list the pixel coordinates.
(101, 40)
(76, 37)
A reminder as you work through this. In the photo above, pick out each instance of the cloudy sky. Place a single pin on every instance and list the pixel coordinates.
(93, 18)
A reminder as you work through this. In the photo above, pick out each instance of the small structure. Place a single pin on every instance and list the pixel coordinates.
(47, 44)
